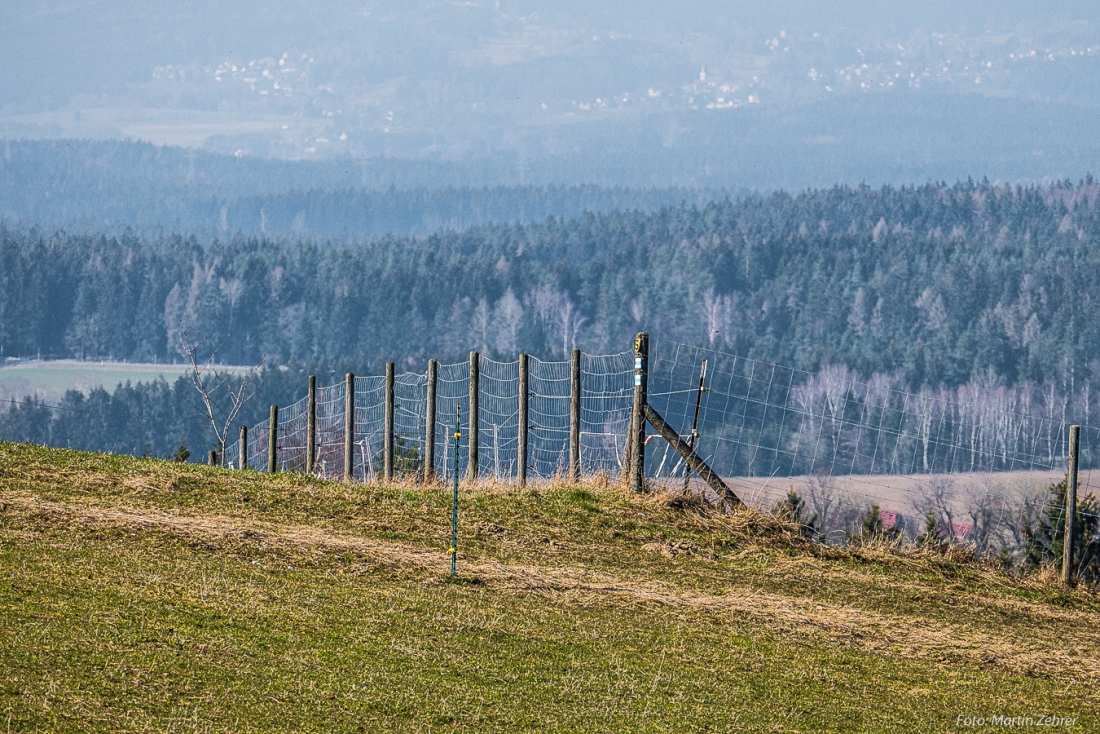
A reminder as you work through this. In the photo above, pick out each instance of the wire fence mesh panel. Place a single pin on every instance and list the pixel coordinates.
(607, 396)
(548, 411)
(410, 403)
(259, 437)
(498, 418)
(452, 391)
(291, 437)
(331, 409)
(370, 419)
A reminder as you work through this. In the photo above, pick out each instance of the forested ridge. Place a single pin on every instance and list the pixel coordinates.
(114, 187)
(936, 283)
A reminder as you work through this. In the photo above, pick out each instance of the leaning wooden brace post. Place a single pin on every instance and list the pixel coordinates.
(273, 440)
(1071, 505)
(387, 428)
(637, 414)
(575, 417)
(311, 425)
(349, 427)
(521, 443)
(475, 374)
(429, 422)
(243, 448)
(699, 466)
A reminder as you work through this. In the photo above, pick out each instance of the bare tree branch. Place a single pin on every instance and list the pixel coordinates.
(219, 381)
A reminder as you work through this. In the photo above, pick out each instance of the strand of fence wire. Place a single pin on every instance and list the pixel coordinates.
(766, 428)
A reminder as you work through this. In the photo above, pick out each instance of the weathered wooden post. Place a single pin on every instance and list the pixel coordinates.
(349, 427)
(243, 447)
(475, 375)
(575, 417)
(521, 443)
(637, 414)
(387, 427)
(311, 425)
(273, 441)
(1071, 505)
(429, 422)
(212, 458)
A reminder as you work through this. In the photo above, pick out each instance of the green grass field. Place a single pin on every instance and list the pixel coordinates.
(49, 380)
(139, 595)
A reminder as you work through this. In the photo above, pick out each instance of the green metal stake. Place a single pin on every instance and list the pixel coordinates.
(454, 511)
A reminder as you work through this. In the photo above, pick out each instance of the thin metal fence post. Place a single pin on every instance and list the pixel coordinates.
(524, 422)
(387, 429)
(273, 441)
(349, 427)
(472, 442)
(429, 422)
(637, 414)
(575, 417)
(1071, 505)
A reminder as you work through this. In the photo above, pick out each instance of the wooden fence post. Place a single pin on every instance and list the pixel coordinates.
(243, 446)
(387, 427)
(521, 443)
(1071, 505)
(311, 425)
(475, 375)
(637, 414)
(429, 422)
(688, 453)
(349, 427)
(273, 441)
(575, 417)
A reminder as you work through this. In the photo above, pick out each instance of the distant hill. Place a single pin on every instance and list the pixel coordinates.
(108, 186)
(704, 93)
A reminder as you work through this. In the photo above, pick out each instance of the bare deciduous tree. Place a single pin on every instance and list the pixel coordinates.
(222, 400)
(823, 501)
(936, 499)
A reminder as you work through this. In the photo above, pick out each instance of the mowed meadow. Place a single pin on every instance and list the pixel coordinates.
(140, 595)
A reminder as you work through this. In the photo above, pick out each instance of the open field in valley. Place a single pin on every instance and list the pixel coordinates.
(48, 380)
(898, 493)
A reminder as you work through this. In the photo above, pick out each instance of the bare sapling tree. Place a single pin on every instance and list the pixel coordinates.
(223, 392)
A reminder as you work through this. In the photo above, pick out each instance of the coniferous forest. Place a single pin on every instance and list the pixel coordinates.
(935, 285)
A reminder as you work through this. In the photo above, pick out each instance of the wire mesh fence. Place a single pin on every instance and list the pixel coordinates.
(978, 459)
(605, 414)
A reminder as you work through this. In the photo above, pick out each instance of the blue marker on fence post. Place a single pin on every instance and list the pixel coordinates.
(454, 510)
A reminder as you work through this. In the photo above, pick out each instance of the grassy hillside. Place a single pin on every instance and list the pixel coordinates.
(141, 595)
